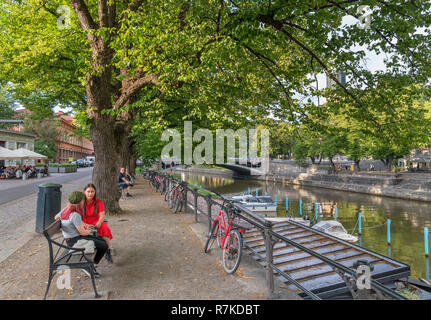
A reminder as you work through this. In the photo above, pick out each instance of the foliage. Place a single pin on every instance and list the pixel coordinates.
(65, 164)
(220, 64)
(7, 106)
(46, 147)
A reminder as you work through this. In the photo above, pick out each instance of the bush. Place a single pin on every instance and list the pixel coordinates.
(53, 164)
(67, 165)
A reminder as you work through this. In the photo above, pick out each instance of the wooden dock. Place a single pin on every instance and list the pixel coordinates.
(314, 274)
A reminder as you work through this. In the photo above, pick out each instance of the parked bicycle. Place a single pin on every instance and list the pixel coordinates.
(229, 237)
(176, 196)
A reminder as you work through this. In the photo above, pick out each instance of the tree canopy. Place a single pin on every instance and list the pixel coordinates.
(219, 63)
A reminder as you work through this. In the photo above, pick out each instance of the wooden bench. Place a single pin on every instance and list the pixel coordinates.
(72, 258)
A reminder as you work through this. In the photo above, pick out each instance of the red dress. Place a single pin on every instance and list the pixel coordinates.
(92, 218)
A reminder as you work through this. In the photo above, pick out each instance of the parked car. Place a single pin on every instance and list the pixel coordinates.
(91, 160)
(81, 163)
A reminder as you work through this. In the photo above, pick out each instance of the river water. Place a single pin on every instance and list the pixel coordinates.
(408, 217)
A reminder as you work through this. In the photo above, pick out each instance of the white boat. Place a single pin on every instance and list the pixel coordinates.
(334, 228)
(300, 220)
(256, 204)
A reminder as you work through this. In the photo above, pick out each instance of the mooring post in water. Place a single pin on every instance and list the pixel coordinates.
(426, 241)
(360, 223)
(316, 208)
(427, 269)
(300, 207)
(335, 213)
(248, 190)
(287, 204)
(266, 193)
(389, 232)
(257, 192)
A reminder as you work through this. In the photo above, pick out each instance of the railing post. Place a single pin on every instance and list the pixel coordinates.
(195, 193)
(186, 203)
(269, 246)
(169, 196)
(209, 205)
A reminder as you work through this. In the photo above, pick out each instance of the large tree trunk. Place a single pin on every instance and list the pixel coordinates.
(357, 168)
(108, 134)
(107, 144)
(389, 163)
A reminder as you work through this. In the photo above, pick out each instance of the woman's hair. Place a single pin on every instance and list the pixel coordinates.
(90, 185)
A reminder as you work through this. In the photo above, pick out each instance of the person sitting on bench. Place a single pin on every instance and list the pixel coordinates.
(74, 229)
(123, 182)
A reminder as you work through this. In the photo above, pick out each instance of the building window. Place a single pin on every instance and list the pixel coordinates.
(20, 145)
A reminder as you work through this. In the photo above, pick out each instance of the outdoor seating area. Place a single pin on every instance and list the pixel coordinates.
(20, 171)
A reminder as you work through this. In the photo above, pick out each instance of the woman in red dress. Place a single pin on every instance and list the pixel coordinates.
(94, 214)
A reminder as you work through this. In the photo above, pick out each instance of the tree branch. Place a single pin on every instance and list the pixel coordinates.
(133, 89)
(83, 14)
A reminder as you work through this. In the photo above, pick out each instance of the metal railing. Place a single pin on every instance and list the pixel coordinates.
(270, 238)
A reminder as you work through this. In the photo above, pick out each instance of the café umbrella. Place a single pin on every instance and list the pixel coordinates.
(22, 153)
(6, 154)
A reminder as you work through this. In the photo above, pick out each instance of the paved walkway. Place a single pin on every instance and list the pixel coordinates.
(158, 255)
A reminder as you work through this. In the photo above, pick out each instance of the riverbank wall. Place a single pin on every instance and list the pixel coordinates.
(409, 186)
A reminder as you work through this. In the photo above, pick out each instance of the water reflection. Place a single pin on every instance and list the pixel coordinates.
(408, 218)
(427, 269)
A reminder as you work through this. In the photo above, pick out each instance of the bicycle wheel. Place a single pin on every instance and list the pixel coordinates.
(232, 255)
(212, 236)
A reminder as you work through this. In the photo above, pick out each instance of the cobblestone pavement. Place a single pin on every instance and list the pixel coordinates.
(18, 217)
(158, 255)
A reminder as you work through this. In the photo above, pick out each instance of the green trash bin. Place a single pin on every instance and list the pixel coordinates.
(48, 205)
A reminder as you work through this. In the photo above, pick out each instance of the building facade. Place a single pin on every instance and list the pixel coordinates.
(71, 147)
(14, 140)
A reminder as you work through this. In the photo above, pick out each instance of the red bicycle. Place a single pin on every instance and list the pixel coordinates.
(229, 238)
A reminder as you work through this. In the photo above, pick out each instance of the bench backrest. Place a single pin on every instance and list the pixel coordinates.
(52, 229)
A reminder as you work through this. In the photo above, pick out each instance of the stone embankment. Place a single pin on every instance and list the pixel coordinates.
(411, 186)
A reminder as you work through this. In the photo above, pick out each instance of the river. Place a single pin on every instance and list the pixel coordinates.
(408, 217)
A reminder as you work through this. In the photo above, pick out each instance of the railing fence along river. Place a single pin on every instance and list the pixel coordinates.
(408, 218)
(386, 270)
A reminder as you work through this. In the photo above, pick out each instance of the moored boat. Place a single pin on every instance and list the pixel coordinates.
(256, 203)
(334, 228)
